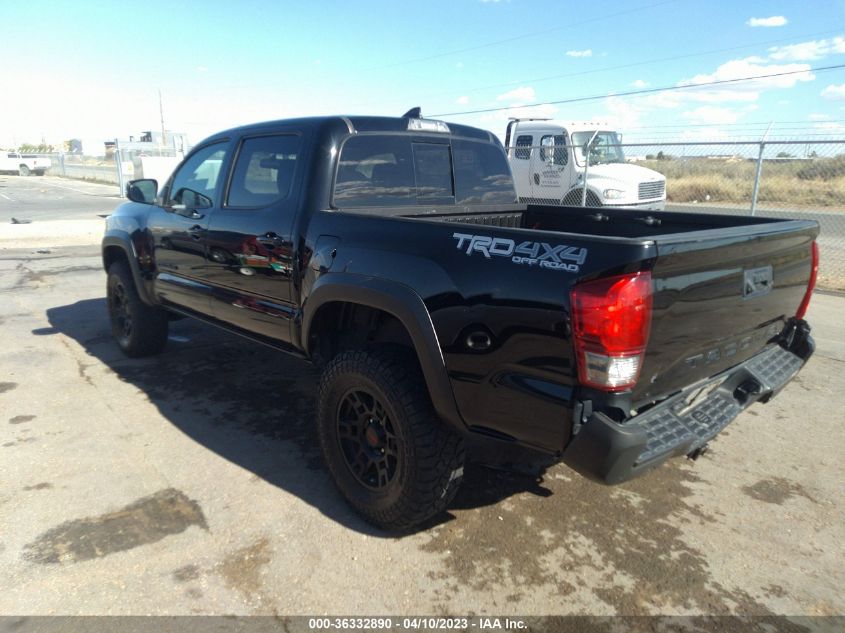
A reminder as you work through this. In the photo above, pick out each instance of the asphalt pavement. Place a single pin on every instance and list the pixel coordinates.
(42, 198)
(191, 483)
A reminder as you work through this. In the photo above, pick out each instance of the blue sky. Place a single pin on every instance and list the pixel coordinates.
(93, 69)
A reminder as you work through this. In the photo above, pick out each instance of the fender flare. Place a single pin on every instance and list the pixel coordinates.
(408, 307)
(121, 240)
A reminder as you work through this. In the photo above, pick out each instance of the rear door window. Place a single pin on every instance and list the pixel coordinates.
(375, 171)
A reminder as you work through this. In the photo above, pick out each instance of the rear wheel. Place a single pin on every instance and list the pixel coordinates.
(24, 170)
(139, 329)
(393, 460)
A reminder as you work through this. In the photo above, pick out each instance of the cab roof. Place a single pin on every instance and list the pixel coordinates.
(353, 124)
(569, 126)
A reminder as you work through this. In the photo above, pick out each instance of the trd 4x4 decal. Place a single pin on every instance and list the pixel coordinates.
(554, 257)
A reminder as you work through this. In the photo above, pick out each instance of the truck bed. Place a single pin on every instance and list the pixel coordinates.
(599, 222)
(704, 319)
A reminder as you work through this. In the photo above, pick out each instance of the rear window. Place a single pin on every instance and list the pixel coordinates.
(376, 171)
(482, 174)
(433, 173)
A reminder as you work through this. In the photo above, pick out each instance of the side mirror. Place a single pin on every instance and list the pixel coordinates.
(188, 202)
(143, 191)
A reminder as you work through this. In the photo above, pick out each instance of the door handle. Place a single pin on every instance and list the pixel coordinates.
(196, 231)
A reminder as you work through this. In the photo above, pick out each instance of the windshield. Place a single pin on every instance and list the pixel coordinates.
(605, 148)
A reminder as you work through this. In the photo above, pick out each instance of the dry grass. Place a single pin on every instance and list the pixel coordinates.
(817, 183)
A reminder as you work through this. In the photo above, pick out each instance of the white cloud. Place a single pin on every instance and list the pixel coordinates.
(746, 90)
(808, 51)
(815, 116)
(202, 69)
(704, 134)
(834, 92)
(639, 83)
(711, 115)
(721, 96)
(585, 53)
(462, 100)
(622, 114)
(459, 65)
(523, 93)
(497, 120)
(706, 106)
(775, 20)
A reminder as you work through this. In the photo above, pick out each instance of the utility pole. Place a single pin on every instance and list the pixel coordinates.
(161, 113)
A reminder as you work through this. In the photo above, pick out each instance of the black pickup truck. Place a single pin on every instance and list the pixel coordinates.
(393, 253)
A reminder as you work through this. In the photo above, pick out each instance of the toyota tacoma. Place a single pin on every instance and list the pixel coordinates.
(393, 253)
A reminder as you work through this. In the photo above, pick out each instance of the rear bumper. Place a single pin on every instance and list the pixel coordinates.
(611, 452)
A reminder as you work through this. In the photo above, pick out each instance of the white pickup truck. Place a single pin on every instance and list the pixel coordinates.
(548, 160)
(24, 165)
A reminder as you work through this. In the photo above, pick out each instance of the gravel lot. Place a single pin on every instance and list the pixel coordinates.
(191, 483)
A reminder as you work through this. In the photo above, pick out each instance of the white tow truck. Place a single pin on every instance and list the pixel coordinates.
(24, 165)
(549, 159)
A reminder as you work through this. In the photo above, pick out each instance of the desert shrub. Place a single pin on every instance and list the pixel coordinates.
(823, 169)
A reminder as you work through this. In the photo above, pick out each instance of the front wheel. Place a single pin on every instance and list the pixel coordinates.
(138, 328)
(24, 170)
(393, 460)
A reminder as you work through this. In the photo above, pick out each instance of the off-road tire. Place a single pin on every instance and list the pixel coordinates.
(430, 454)
(138, 328)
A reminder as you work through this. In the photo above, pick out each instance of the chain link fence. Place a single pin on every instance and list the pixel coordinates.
(117, 165)
(797, 179)
(780, 179)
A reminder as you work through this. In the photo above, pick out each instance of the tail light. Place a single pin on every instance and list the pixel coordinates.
(611, 320)
(811, 285)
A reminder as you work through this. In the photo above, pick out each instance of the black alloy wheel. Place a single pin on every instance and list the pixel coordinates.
(120, 312)
(368, 439)
(390, 456)
(140, 329)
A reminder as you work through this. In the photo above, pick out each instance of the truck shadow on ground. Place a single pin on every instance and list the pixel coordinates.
(254, 406)
(627, 547)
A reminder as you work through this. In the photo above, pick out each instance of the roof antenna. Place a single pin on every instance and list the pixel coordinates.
(413, 113)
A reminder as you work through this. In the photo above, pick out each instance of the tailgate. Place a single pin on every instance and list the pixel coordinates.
(719, 297)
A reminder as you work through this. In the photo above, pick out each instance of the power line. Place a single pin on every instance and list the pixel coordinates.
(645, 91)
(642, 63)
(739, 123)
(514, 38)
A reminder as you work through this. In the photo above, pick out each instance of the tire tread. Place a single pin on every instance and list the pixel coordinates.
(438, 450)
